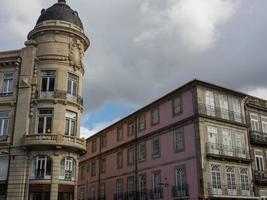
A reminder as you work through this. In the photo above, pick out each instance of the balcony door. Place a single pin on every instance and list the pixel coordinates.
(227, 143)
(224, 106)
(240, 145)
(259, 163)
(213, 139)
(210, 104)
(48, 83)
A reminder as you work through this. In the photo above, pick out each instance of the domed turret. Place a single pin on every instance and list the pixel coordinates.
(60, 11)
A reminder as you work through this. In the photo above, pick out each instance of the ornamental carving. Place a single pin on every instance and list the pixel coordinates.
(76, 53)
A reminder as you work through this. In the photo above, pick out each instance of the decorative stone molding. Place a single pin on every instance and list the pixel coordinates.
(76, 56)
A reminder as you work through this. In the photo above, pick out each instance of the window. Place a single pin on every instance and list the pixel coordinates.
(93, 146)
(142, 186)
(180, 181)
(156, 181)
(259, 163)
(130, 186)
(212, 135)
(41, 167)
(142, 151)
(119, 160)
(93, 169)
(237, 110)
(70, 123)
(4, 168)
(8, 84)
(254, 122)
(155, 116)
(210, 104)
(103, 165)
(48, 82)
(45, 117)
(131, 129)
(72, 85)
(119, 189)
(177, 106)
(178, 139)
(103, 141)
(119, 134)
(264, 124)
(92, 193)
(216, 177)
(230, 174)
(156, 147)
(102, 191)
(67, 169)
(244, 179)
(4, 124)
(224, 106)
(141, 122)
(131, 156)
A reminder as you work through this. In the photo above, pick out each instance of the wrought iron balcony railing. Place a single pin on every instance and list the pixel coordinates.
(180, 191)
(41, 174)
(257, 137)
(142, 195)
(226, 151)
(156, 193)
(220, 113)
(6, 94)
(245, 189)
(260, 177)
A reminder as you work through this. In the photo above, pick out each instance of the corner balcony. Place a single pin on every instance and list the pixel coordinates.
(257, 137)
(219, 113)
(58, 141)
(260, 177)
(243, 191)
(225, 152)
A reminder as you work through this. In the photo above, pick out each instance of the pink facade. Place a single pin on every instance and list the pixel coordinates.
(176, 170)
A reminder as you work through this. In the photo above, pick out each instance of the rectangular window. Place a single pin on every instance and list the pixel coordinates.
(176, 106)
(8, 84)
(92, 193)
(259, 163)
(131, 156)
(103, 165)
(142, 184)
(102, 191)
(254, 122)
(264, 124)
(93, 167)
(4, 124)
(210, 104)
(156, 147)
(141, 122)
(156, 180)
(237, 110)
(178, 139)
(224, 106)
(42, 167)
(103, 141)
(244, 179)
(155, 116)
(142, 151)
(131, 129)
(119, 189)
(72, 85)
(45, 118)
(130, 185)
(119, 134)
(119, 160)
(93, 146)
(48, 81)
(70, 123)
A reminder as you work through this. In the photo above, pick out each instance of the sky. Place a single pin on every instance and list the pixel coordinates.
(143, 49)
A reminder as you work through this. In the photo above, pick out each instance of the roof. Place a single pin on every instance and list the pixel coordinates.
(60, 11)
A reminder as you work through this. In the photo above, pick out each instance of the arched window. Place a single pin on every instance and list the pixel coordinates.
(244, 179)
(216, 177)
(41, 167)
(230, 173)
(67, 169)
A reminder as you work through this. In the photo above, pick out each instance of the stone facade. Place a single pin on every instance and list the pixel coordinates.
(40, 112)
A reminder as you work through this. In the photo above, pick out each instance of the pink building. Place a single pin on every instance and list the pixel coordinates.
(190, 144)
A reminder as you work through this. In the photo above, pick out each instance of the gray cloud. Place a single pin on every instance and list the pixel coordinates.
(141, 49)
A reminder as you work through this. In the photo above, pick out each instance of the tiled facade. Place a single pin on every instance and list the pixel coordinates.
(193, 143)
(40, 111)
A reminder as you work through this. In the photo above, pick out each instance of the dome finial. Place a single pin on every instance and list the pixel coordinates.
(61, 1)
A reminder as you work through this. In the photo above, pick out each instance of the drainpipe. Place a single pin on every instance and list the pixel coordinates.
(99, 174)
(135, 157)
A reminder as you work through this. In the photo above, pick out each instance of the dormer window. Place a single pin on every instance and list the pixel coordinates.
(48, 83)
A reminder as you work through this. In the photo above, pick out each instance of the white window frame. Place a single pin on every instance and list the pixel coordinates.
(4, 122)
(142, 151)
(264, 124)
(155, 116)
(8, 84)
(216, 179)
(50, 76)
(41, 160)
(237, 110)
(67, 168)
(178, 139)
(210, 103)
(254, 120)
(70, 120)
(45, 116)
(259, 162)
(224, 107)
(231, 179)
(244, 179)
(73, 80)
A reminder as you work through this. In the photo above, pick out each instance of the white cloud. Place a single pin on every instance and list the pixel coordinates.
(259, 92)
(85, 132)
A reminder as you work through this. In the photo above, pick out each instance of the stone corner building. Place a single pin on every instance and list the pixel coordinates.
(40, 109)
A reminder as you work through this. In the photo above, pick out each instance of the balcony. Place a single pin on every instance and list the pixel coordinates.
(257, 137)
(142, 195)
(220, 113)
(219, 190)
(76, 144)
(6, 94)
(59, 94)
(223, 152)
(156, 193)
(181, 191)
(261, 177)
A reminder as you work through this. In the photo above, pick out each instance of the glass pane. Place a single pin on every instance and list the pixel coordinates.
(48, 125)
(69, 86)
(67, 124)
(72, 128)
(74, 92)
(44, 84)
(41, 125)
(51, 84)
